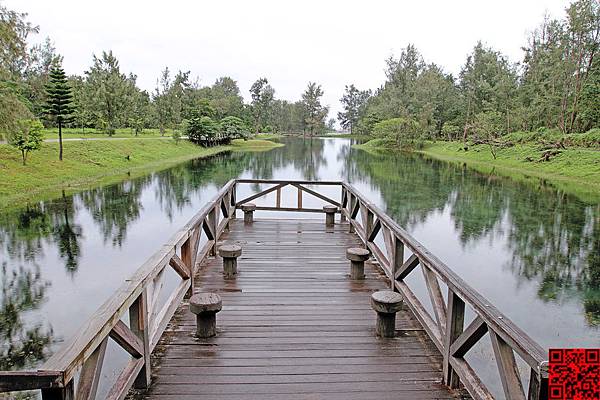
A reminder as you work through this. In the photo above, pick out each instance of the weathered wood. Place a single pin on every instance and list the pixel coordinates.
(454, 324)
(230, 254)
(468, 338)
(406, 268)
(317, 194)
(29, 380)
(293, 318)
(330, 214)
(127, 339)
(206, 306)
(435, 295)
(526, 347)
(167, 311)
(260, 194)
(180, 267)
(248, 210)
(138, 319)
(396, 258)
(306, 290)
(386, 303)
(507, 368)
(278, 199)
(538, 384)
(66, 392)
(87, 385)
(125, 379)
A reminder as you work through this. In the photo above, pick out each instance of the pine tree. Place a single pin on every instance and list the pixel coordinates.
(59, 100)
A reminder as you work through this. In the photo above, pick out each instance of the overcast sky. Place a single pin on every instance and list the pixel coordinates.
(290, 42)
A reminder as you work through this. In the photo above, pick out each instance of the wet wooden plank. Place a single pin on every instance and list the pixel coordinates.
(295, 326)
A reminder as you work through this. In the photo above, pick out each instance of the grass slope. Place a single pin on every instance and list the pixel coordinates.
(92, 163)
(575, 170)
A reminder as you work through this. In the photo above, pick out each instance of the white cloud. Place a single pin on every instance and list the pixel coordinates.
(290, 42)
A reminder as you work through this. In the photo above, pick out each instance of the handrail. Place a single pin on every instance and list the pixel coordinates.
(446, 326)
(138, 296)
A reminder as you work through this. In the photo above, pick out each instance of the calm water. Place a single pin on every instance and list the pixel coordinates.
(533, 251)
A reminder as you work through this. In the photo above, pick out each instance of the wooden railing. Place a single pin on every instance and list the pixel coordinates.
(446, 327)
(82, 356)
(399, 256)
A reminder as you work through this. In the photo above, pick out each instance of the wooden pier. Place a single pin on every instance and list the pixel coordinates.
(294, 323)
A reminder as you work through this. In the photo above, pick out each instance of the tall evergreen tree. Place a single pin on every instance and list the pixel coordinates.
(59, 100)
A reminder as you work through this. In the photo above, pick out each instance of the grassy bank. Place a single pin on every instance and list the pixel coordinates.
(92, 163)
(574, 170)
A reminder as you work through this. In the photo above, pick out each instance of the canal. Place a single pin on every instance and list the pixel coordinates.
(532, 250)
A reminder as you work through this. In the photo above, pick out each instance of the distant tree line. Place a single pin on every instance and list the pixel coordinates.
(105, 98)
(556, 86)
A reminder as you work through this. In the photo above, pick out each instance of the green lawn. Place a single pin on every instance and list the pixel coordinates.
(574, 170)
(93, 163)
(70, 133)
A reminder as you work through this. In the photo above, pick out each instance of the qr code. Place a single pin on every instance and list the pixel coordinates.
(574, 374)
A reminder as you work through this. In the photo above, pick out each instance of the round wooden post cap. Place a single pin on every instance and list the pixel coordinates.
(357, 254)
(205, 302)
(330, 209)
(248, 207)
(230, 250)
(386, 301)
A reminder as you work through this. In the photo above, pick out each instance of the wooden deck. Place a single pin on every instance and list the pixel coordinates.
(294, 326)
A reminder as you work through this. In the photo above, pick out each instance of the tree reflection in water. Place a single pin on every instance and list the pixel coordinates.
(21, 345)
(554, 238)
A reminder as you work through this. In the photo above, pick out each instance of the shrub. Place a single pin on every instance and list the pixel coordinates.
(234, 127)
(404, 131)
(28, 137)
(199, 128)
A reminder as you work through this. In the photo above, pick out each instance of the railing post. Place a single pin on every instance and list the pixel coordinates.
(188, 259)
(455, 320)
(351, 208)
(138, 321)
(233, 201)
(538, 383)
(397, 259)
(278, 201)
(212, 221)
(343, 204)
(64, 393)
(299, 198)
(369, 224)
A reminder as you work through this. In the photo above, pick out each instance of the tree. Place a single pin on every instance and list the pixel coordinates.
(28, 137)
(233, 127)
(106, 92)
(354, 102)
(225, 98)
(488, 127)
(59, 100)
(403, 131)
(14, 31)
(331, 124)
(201, 128)
(262, 97)
(315, 113)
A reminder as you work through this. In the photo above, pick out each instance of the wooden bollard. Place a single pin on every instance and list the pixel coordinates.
(206, 306)
(330, 215)
(386, 303)
(357, 257)
(230, 253)
(248, 210)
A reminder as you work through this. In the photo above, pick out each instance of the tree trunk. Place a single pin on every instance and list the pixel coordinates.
(60, 143)
(24, 157)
